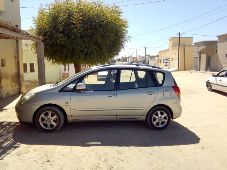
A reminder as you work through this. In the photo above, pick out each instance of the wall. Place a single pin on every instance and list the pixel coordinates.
(11, 12)
(9, 75)
(222, 53)
(163, 55)
(52, 71)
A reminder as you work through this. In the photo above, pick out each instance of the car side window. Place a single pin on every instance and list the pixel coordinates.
(100, 80)
(222, 74)
(159, 78)
(133, 79)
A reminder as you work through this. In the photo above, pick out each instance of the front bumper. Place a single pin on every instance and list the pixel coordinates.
(25, 112)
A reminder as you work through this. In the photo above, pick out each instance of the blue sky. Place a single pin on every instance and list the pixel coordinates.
(146, 20)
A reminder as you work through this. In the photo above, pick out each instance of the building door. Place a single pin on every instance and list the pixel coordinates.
(203, 62)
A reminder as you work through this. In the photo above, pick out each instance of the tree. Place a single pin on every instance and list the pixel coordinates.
(81, 32)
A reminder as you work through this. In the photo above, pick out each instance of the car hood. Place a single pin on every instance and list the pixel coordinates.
(42, 88)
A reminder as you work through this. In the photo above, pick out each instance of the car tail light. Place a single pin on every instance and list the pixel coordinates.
(176, 90)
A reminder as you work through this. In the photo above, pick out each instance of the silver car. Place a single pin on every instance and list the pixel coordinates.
(128, 92)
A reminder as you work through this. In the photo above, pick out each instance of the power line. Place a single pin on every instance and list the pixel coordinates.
(143, 3)
(212, 22)
(183, 22)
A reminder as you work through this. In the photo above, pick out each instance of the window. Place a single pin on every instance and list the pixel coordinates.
(100, 81)
(3, 62)
(222, 74)
(25, 67)
(133, 79)
(64, 67)
(32, 67)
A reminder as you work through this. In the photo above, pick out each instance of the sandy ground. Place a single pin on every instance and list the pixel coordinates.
(197, 140)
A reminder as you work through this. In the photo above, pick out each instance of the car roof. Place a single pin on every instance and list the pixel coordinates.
(129, 66)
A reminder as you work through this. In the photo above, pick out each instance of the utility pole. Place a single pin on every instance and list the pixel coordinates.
(136, 56)
(178, 53)
(145, 48)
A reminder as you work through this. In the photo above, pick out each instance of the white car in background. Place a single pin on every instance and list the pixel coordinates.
(218, 81)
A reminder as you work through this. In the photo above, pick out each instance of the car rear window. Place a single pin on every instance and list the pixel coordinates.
(157, 79)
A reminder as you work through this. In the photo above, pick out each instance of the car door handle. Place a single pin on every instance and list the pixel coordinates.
(220, 80)
(110, 96)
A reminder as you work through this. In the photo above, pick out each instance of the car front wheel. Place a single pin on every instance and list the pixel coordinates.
(209, 86)
(158, 118)
(49, 119)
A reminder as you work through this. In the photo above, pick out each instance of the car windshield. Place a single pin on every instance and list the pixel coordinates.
(71, 78)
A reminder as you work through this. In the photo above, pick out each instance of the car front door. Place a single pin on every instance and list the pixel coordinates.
(221, 81)
(136, 92)
(98, 99)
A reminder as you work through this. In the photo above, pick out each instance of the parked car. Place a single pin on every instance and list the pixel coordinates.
(218, 81)
(129, 92)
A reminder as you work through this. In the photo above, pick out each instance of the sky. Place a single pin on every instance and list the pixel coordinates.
(152, 22)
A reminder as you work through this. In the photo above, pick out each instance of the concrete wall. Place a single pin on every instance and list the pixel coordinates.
(186, 54)
(206, 56)
(10, 12)
(222, 50)
(52, 71)
(9, 74)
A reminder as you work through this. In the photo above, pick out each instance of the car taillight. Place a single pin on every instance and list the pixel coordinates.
(176, 90)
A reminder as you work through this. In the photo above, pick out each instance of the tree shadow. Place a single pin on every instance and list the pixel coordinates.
(7, 143)
(220, 92)
(6, 101)
(85, 134)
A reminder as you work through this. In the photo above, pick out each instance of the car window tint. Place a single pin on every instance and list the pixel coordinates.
(132, 79)
(159, 77)
(100, 81)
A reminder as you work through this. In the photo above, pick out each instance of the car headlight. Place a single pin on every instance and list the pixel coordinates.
(27, 97)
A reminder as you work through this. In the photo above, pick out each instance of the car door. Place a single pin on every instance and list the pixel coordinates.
(133, 94)
(221, 81)
(98, 99)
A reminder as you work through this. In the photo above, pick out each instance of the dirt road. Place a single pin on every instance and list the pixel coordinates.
(197, 140)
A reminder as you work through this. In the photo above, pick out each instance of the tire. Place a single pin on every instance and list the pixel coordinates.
(209, 86)
(49, 119)
(158, 118)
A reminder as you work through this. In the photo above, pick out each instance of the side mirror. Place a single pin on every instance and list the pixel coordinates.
(80, 86)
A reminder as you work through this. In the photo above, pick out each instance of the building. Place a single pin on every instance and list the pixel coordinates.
(30, 67)
(10, 50)
(206, 56)
(153, 60)
(168, 58)
(222, 50)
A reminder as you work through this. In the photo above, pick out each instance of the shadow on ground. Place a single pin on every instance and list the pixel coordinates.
(6, 101)
(220, 92)
(87, 134)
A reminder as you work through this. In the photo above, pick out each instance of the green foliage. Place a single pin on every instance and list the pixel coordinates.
(81, 32)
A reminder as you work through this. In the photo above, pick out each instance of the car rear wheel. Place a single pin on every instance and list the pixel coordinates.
(158, 118)
(49, 119)
(209, 86)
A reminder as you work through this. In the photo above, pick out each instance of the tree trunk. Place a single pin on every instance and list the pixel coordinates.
(77, 67)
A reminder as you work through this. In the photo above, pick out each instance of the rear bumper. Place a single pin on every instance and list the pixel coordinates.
(176, 109)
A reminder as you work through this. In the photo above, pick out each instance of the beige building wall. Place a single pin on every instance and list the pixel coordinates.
(162, 56)
(222, 50)
(9, 74)
(52, 71)
(186, 54)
